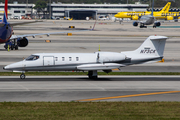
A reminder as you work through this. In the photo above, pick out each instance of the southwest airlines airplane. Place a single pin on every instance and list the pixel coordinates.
(163, 14)
(15, 41)
(151, 50)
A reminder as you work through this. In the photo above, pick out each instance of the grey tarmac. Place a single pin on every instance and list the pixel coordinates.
(75, 88)
(111, 36)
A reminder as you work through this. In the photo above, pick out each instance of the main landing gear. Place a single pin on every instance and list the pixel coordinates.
(142, 26)
(12, 45)
(154, 26)
(22, 76)
(92, 74)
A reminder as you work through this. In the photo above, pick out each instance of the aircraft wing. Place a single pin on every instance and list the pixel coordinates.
(33, 35)
(100, 66)
(22, 23)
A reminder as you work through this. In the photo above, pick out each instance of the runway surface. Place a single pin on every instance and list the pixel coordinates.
(112, 37)
(80, 88)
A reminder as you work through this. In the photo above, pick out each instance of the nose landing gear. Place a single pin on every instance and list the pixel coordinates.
(22, 76)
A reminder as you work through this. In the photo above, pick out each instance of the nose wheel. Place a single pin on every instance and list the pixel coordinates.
(154, 26)
(22, 76)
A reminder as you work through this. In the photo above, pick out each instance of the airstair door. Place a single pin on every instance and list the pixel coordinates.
(48, 60)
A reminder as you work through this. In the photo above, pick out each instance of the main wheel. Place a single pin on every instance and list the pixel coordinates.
(22, 76)
(5, 46)
(12, 47)
(16, 47)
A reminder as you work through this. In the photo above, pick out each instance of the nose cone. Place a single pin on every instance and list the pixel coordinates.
(116, 15)
(14, 66)
(7, 67)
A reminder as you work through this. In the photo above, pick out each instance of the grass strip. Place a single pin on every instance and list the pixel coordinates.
(90, 111)
(85, 73)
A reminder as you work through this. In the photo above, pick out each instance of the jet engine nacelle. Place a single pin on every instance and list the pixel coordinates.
(169, 18)
(157, 24)
(22, 42)
(135, 23)
(135, 18)
(110, 57)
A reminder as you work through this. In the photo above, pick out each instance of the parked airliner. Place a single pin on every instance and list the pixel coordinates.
(151, 50)
(15, 41)
(147, 20)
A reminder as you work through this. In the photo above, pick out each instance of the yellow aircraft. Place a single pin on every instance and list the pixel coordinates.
(163, 14)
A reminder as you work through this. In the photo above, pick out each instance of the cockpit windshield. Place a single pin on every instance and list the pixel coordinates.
(32, 57)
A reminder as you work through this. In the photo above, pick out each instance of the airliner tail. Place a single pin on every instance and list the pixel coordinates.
(5, 17)
(166, 7)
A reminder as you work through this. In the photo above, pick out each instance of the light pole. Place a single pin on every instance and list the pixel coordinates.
(26, 8)
(49, 9)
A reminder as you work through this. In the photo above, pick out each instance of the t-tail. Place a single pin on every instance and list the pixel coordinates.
(5, 17)
(166, 7)
(151, 50)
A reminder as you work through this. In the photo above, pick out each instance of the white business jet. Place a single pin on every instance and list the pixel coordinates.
(151, 50)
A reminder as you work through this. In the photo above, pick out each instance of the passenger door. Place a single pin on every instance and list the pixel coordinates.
(48, 60)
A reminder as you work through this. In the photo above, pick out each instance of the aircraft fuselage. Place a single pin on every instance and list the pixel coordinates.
(68, 61)
(5, 32)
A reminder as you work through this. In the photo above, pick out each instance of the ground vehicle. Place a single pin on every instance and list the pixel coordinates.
(103, 17)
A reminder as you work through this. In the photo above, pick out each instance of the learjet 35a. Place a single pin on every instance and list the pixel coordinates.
(151, 50)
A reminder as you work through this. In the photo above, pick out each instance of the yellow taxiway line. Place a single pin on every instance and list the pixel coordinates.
(124, 96)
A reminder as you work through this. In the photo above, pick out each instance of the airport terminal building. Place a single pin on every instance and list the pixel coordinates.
(81, 11)
(75, 11)
(17, 10)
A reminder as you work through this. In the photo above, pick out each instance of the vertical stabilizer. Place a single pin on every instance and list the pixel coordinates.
(5, 17)
(166, 7)
(152, 46)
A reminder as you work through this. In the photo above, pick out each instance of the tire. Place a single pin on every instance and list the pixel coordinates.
(16, 47)
(92, 77)
(22, 76)
(12, 47)
(5, 46)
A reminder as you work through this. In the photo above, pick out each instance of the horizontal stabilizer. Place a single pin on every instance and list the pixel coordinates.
(106, 66)
(2, 24)
(158, 37)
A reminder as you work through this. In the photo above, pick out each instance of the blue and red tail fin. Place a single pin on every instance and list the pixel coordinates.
(5, 17)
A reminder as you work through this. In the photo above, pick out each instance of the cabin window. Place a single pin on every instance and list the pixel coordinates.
(77, 58)
(70, 58)
(32, 57)
(63, 58)
(56, 58)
